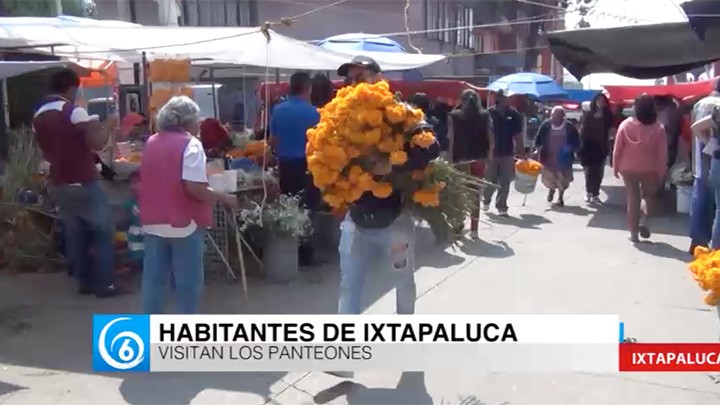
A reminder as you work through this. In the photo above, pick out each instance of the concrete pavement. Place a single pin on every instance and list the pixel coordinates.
(571, 260)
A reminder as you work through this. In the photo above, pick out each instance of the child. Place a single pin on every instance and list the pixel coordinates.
(136, 248)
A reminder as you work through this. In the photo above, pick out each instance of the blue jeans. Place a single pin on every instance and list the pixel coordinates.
(181, 257)
(89, 233)
(702, 211)
(715, 184)
(362, 249)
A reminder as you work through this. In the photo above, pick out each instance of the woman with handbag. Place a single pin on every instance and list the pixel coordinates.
(557, 141)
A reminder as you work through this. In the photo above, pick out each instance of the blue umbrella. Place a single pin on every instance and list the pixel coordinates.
(351, 43)
(354, 43)
(530, 84)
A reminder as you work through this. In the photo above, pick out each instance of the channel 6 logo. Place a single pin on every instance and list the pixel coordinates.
(121, 343)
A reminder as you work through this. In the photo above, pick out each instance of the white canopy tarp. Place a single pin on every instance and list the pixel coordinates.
(12, 68)
(244, 46)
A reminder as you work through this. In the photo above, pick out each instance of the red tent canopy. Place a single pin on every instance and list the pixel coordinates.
(623, 94)
(447, 91)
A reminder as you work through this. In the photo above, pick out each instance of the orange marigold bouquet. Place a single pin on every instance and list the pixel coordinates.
(367, 123)
(706, 271)
(529, 166)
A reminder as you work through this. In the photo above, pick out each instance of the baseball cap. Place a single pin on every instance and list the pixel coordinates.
(359, 61)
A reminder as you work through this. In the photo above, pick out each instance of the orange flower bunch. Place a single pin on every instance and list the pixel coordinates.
(253, 149)
(529, 166)
(430, 196)
(362, 124)
(706, 271)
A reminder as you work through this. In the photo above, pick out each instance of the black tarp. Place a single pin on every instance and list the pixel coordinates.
(643, 51)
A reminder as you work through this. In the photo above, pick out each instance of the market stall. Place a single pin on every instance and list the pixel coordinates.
(626, 94)
(166, 53)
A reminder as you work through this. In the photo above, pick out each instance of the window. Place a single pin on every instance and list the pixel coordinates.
(451, 23)
(222, 13)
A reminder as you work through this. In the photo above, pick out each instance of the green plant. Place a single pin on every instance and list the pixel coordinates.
(285, 216)
(22, 163)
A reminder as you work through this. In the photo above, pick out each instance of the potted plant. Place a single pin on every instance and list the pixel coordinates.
(284, 222)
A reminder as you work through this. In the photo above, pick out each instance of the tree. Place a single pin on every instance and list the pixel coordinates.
(47, 8)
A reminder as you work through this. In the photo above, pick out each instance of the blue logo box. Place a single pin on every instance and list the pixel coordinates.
(121, 343)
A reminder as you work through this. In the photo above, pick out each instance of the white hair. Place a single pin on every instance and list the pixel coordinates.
(180, 112)
(558, 108)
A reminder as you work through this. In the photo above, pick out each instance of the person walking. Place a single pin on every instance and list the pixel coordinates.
(500, 169)
(704, 226)
(289, 122)
(702, 208)
(471, 141)
(640, 157)
(69, 140)
(557, 141)
(595, 137)
(175, 203)
(377, 231)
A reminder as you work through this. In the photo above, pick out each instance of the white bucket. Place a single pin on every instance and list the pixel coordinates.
(684, 199)
(230, 177)
(525, 183)
(217, 182)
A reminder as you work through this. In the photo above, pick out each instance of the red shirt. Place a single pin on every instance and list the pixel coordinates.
(63, 144)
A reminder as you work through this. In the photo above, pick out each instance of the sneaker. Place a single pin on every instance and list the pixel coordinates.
(341, 374)
(108, 292)
(595, 200)
(503, 213)
(588, 197)
(644, 231)
(634, 238)
(486, 207)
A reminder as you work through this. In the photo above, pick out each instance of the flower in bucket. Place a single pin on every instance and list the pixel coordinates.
(529, 166)
(706, 272)
(366, 124)
(284, 217)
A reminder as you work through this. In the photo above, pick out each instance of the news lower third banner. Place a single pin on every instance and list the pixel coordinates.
(542, 343)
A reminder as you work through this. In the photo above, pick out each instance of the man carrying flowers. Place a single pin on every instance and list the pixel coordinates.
(376, 226)
(370, 155)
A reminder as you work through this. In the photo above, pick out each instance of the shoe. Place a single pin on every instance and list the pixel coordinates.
(560, 203)
(107, 292)
(644, 231)
(486, 207)
(341, 374)
(634, 238)
(85, 290)
(551, 195)
(595, 199)
(503, 213)
(588, 197)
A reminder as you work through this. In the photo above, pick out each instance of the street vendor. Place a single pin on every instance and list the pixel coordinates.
(175, 208)
(68, 138)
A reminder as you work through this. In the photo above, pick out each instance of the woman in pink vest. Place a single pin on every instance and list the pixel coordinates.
(175, 207)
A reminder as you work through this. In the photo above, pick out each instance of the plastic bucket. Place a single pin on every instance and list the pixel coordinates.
(525, 183)
(280, 258)
(230, 178)
(684, 199)
(217, 182)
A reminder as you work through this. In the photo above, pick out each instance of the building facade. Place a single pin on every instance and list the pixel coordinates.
(480, 48)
